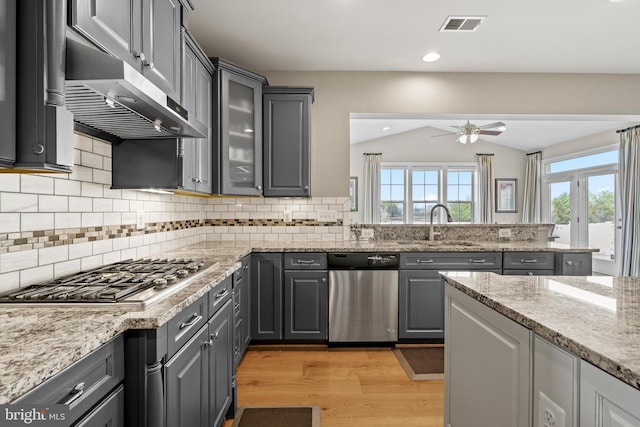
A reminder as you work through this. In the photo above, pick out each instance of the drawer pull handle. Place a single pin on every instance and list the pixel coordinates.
(207, 343)
(195, 318)
(237, 306)
(573, 263)
(76, 392)
(214, 336)
(305, 261)
(528, 261)
(477, 260)
(222, 294)
(424, 261)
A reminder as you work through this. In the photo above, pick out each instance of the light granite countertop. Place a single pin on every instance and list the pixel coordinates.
(596, 318)
(36, 342)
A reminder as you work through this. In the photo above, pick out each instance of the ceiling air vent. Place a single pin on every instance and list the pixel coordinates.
(462, 23)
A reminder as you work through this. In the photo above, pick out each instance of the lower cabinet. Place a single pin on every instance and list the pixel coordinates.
(305, 303)
(198, 376)
(605, 401)
(421, 305)
(266, 296)
(574, 264)
(487, 366)
(109, 413)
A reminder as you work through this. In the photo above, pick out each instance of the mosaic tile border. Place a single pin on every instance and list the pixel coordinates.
(14, 242)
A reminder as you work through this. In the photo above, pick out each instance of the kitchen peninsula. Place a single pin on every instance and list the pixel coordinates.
(566, 348)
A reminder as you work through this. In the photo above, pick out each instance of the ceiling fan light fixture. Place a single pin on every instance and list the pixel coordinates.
(470, 138)
(431, 57)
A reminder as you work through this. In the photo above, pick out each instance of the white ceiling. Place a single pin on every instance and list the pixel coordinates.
(543, 36)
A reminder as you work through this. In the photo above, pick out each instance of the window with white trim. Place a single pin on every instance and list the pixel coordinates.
(409, 192)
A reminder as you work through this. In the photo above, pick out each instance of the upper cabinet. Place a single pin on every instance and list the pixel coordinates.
(144, 33)
(237, 123)
(8, 84)
(286, 118)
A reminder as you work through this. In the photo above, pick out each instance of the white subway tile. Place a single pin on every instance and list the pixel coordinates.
(91, 160)
(53, 254)
(53, 203)
(10, 182)
(18, 202)
(102, 246)
(13, 261)
(107, 164)
(111, 193)
(66, 268)
(67, 220)
(129, 253)
(36, 184)
(102, 205)
(92, 219)
(80, 204)
(79, 250)
(102, 148)
(120, 243)
(90, 189)
(102, 177)
(91, 262)
(81, 173)
(9, 281)
(67, 187)
(36, 221)
(30, 276)
(112, 218)
(136, 241)
(129, 218)
(82, 142)
(111, 257)
(9, 222)
(142, 251)
(242, 215)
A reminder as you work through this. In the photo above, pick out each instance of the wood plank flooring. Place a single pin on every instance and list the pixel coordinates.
(354, 387)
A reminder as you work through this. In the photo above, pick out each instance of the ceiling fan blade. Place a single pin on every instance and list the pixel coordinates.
(445, 134)
(492, 125)
(489, 132)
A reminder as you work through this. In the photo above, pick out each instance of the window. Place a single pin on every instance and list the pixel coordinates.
(582, 162)
(409, 192)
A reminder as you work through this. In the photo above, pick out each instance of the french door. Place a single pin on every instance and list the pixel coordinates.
(584, 206)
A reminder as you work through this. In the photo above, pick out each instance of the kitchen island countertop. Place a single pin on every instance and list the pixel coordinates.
(596, 318)
(37, 342)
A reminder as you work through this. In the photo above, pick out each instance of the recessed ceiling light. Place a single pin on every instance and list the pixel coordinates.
(431, 57)
(386, 128)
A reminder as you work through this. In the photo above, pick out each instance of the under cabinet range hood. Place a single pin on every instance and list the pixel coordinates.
(108, 96)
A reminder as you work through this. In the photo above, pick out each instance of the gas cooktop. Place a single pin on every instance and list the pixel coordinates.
(141, 282)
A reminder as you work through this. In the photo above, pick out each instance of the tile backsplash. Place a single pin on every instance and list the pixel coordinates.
(57, 224)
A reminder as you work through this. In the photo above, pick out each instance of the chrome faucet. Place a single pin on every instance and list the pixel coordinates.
(431, 233)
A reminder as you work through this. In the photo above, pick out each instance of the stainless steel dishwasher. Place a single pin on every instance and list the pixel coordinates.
(363, 297)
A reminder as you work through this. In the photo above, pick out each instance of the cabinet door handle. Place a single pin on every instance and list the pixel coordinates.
(207, 343)
(141, 56)
(528, 261)
(222, 294)
(195, 317)
(424, 261)
(324, 280)
(305, 261)
(477, 260)
(214, 336)
(306, 188)
(75, 393)
(259, 187)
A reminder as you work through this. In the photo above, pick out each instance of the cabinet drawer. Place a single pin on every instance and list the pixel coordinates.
(219, 294)
(531, 272)
(85, 382)
(305, 261)
(451, 261)
(109, 413)
(182, 327)
(528, 261)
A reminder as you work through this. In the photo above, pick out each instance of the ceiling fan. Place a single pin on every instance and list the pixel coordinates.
(470, 132)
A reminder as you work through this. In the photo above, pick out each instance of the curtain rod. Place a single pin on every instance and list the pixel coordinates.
(535, 152)
(485, 154)
(629, 128)
(372, 154)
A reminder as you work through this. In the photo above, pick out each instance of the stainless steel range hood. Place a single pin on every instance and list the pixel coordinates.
(107, 95)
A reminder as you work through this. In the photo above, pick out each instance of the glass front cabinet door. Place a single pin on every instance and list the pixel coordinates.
(239, 125)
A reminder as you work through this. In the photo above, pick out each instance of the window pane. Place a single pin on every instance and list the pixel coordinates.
(418, 177)
(397, 176)
(418, 193)
(419, 213)
(465, 177)
(432, 192)
(460, 212)
(397, 192)
(385, 176)
(452, 192)
(452, 177)
(392, 213)
(464, 193)
(432, 177)
(591, 160)
(385, 192)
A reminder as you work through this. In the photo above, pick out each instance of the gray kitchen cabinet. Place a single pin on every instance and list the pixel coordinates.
(528, 263)
(487, 366)
(306, 305)
(88, 382)
(237, 126)
(187, 385)
(421, 305)
(241, 310)
(574, 264)
(286, 123)
(196, 95)
(221, 367)
(109, 413)
(144, 33)
(8, 84)
(421, 289)
(266, 296)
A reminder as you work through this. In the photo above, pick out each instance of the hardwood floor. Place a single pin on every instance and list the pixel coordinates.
(354, 387)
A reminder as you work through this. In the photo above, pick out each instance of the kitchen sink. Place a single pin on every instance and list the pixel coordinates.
(439, 243)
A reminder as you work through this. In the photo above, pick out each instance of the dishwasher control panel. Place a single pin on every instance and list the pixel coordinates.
(363, 261)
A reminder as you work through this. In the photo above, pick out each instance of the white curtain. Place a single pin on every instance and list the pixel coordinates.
(532, 189)
(485, 187)
(372, 188)
(629, 170)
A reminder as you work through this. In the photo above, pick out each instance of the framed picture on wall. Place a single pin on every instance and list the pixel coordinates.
(506, 195)
(353, 194)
